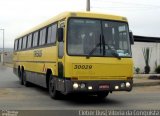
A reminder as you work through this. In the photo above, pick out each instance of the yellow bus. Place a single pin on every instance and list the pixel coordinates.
(76, 52)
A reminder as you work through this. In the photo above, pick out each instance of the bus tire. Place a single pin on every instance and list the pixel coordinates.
(54, 94)
(102, 95)
(20, 77)
(25, 82)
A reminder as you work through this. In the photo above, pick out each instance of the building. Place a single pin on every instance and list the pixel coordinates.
(141, 43)
(8, 55)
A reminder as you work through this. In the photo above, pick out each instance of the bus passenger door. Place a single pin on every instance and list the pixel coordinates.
(60, 84)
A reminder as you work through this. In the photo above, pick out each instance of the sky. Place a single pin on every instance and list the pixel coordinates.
(17, 16)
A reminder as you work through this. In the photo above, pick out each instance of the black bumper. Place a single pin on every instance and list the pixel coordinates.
(96, 86)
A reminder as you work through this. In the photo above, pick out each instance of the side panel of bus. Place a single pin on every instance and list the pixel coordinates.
(37, 62)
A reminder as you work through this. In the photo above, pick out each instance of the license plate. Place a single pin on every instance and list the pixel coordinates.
(103, 86)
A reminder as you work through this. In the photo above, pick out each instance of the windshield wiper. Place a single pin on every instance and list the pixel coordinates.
(113, 52)
(103, 44)
(104, 47)
(92, 51)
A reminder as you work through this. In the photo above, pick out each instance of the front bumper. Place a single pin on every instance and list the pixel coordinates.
(98, 86)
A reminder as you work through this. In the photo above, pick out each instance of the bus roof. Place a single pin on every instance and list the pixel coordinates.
(74, 14)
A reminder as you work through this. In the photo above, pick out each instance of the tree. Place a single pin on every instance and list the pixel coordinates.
(147, 55)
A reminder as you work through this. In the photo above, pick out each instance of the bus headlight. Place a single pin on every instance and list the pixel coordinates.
(90, 88)
(75, 85)
(116, 87)
(82, 85)
(122, 85)
(128, 84)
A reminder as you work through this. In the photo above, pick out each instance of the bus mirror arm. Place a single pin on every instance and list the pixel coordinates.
(131, 37)
(60, 34)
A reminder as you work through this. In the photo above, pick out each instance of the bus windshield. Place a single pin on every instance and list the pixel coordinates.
(98, 38)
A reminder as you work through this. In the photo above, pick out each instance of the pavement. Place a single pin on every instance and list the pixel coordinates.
(14, 96)
(142, 80)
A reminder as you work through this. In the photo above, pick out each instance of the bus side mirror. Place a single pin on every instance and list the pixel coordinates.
(131, 38)
(60, 34)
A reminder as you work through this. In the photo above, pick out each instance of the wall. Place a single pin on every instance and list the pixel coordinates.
(138, 57)
(1, 58)
(8, 57)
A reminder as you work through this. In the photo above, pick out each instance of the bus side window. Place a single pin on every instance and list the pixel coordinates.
(35, 39)
(24, 42)
(42, 39)
(29, 42)
(15, 45)
(20, 44)
(52, 30)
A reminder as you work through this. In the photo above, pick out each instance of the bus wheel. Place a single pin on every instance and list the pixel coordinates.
(20, 77)
(52, 91)
(25, 83)
(102, 95)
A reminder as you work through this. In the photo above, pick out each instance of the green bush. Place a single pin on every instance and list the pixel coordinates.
(137, 69)
(157, 70)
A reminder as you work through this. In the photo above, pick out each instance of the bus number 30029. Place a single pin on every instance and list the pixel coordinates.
(82, 66)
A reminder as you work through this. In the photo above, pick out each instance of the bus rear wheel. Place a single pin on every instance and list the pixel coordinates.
(25, 82)
(20, 76)
(54, 94)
